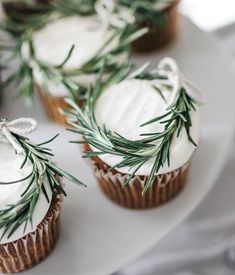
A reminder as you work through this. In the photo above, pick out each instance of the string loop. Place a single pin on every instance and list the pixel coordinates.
(106, 11)
(20, 126)
(175, 79)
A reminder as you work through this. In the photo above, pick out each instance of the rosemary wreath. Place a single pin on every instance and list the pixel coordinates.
(24, 76)
(43, 170)
(151, 146)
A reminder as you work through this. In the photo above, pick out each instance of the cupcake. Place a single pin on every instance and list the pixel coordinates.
(30, 198)
(160, 16)
(140, 133)
(63, 58)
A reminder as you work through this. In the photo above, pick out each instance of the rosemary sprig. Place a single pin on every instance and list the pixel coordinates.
(73, 7)
(43, 170)
(153, 147)
(146, 10)
(24, 75)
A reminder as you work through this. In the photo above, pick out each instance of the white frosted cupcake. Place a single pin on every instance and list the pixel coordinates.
(160, 16)
(92, 41)
(63, 53)
(30, 198)
(140, 134)
(88, 37)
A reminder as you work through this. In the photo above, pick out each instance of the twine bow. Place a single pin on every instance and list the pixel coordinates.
(169, 68)
(106, 11)
(16, 127)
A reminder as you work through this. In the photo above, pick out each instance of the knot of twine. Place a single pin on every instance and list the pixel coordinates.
(106, 11)
(169, 68)
(20, 126)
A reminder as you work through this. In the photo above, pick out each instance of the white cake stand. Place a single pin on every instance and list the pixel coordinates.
(97, 236)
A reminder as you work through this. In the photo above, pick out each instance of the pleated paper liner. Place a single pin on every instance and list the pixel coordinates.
(163, 189)
(31, 249)
(159, 36)
(52, 105)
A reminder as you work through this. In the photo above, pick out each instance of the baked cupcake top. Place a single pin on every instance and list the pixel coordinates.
(144, 123)
(65, 54)
(29, 180)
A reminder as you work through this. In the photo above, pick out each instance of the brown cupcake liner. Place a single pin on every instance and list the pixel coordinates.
(163, 189)
(31, 249)
(159, 36)
(52, 105)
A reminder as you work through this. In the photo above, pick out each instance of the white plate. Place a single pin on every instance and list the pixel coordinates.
(97, 236)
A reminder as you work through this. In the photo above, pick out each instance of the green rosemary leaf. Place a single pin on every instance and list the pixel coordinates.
(33, 204)
(56, 184)
(17, 181)
(14, 228)
(150, 178)
(45, 193)
(156, 119)
(66, 58)
(136, 35)
(160, 93)
(145, 10)
(92, 154)
(26, 157)
(48, 141)
(130, 177)
(65, 174)
(140, 71)
(29, 186)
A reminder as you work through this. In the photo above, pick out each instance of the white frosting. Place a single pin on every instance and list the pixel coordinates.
(10, 163)
(53, 43)
(125, 106)
(106, 10)
(55, 88)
